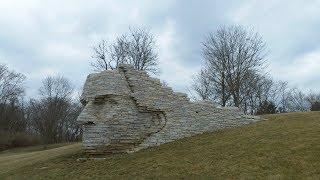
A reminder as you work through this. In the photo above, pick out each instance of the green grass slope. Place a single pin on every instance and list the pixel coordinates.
(284, 146)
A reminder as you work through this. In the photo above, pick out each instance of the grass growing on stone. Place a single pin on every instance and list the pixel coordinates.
(284, 146)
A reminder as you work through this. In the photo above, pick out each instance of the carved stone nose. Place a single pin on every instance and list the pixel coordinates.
(86, 116)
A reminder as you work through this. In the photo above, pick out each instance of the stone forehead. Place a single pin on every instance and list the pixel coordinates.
(109, 82)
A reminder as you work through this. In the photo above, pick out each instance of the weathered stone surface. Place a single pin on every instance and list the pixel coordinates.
(126, 110)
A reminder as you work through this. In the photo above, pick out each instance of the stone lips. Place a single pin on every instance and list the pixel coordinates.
(140, 112)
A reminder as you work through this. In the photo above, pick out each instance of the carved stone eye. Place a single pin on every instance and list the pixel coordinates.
(89, 123)
(111, 101)
(99, 100)
(104, 99)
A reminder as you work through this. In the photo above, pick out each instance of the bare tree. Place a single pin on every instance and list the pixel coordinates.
(137, 47)
(202, 85)
(11, 84)
(297, 101)
(101, 60)
(54, 114)
(313, 97)
(256, 91)
(313, 100)
(253, 92)
(119, 51)
(282, 91)
(56, 87)
(142, 50)
(232, 55)
(11, 100)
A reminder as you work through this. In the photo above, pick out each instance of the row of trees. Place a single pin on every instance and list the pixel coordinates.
(48, 119)
(233, 75)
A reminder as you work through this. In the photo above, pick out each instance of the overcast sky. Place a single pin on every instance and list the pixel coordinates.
(40, 38)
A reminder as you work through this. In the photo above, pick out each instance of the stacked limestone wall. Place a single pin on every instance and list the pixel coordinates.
(183, 117)
(140, 112)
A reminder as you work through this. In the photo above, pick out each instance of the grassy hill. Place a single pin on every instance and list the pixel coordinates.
(284, 146)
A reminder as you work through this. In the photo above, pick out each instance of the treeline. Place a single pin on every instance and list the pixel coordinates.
(234, 75)
(47, 119)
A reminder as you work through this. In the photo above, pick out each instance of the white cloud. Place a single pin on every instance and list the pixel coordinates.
(65, 52)
(40, 38)
(173, 70)
(303, 71)
(290, 29)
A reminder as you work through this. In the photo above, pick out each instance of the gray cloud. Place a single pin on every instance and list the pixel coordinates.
(41, 38)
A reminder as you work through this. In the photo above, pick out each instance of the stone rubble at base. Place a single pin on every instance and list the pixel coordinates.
(127, 110)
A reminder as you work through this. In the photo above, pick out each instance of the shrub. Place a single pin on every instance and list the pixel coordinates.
(22, 139)
(4, 141)
(315, 106)
(267, 107)
(11, 140)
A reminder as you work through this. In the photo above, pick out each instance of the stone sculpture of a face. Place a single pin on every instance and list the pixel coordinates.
(112, 121)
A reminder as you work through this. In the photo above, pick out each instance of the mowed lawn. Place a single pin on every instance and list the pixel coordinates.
(284, 146)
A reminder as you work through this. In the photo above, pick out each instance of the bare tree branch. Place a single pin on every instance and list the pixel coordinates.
(233, 56)
(137, 47)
